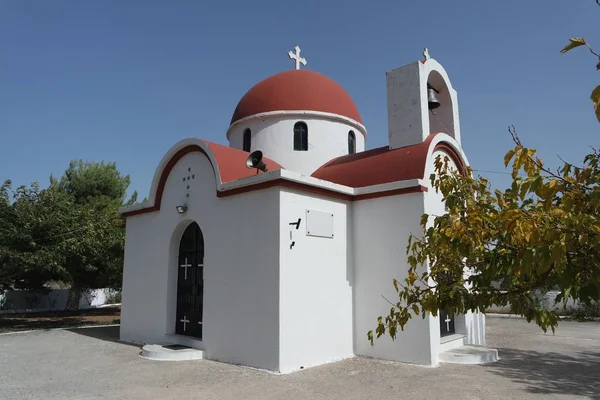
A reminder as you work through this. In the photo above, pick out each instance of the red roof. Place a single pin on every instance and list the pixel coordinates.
(381, 165)
(232, 162)
(296, 90)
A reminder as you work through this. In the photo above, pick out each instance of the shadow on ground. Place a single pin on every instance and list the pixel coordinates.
(108, 333)
(551, 373)
(14, 322)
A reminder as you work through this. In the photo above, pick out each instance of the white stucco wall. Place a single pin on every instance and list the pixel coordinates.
(381, 228)
(316, 285)
(274, 136)
(409, 118)
(472, 325)
(241, 295)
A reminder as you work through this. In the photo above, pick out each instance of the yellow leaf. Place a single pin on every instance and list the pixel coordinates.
(595, 96)
(508, 157)
(574, 42)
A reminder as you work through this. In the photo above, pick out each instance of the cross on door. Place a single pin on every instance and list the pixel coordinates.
(447, 321)
(185, 266)
(185, 321)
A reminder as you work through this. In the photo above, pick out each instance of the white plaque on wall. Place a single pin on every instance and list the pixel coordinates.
(319, 223)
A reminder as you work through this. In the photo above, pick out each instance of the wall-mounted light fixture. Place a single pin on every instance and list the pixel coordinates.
(181, 209)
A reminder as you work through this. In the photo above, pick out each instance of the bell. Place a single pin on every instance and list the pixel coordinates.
(431, 98)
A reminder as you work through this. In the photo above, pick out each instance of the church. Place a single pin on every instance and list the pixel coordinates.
(276, 251)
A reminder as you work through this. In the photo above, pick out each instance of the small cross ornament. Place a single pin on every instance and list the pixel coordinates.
(447, 321)
(185, 266)
(426, 54)
(185, 322)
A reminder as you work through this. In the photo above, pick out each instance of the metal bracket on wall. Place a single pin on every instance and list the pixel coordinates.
(297, 223)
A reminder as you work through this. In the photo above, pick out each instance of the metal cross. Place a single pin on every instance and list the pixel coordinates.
(296, 56)
(185, 321)
(447, 321)
(186, 266)
(426, 54)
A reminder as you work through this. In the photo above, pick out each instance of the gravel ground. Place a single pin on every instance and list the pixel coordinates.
(89, 364)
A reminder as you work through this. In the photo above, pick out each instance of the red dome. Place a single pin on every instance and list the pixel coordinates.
(296, 90)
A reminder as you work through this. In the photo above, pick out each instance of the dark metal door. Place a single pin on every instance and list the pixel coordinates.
(446, 323)
(190, 282)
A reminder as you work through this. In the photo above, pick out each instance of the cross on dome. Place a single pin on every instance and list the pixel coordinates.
(296, 57)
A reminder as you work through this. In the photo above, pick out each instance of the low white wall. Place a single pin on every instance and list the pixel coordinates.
(546, 301)
(52, 300)
(315, 284)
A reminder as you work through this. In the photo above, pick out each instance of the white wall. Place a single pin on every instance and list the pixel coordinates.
(316, 292)
(241, 298)
(51, 300)
(472, 325)
(274, 136)
(409, 118)
(381, 228)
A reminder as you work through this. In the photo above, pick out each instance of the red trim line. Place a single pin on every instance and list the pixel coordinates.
(453, 155)
(406, 190)
(288, 184)
(163, 179)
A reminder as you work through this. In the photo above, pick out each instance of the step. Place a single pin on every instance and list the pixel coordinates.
(171, 352)
(469, 354)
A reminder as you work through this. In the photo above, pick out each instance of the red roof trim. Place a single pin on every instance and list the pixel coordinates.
(229, 170)
(221, 150)
(163, 179)
(453, 155)
(382, 165)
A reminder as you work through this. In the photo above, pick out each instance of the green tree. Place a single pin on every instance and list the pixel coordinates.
(32, 221)
(94, 256)
(501, 247)
(70, 232)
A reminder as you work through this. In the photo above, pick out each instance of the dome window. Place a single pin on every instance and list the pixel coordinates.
(247, 140)
(300, 136)
(351, 142)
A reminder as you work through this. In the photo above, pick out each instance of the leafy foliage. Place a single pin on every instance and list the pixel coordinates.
(70, 232)
(495, 247)
(502, 247)
(579, 41)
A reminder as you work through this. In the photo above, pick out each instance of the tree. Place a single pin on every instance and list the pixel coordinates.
(501, 247)
(94, 257)
(32, 221)
(70, 232)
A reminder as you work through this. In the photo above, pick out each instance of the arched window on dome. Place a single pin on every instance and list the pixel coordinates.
(247, 140)
(351, 142)
(300, 136)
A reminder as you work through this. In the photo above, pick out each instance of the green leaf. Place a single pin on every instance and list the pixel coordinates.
(574, 42)
(595, 96)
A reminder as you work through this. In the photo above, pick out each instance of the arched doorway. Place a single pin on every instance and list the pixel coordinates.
(190, 282)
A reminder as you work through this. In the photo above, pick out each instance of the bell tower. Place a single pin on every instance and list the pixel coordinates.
(420, 101)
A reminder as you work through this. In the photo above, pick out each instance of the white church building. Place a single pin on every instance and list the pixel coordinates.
(286, 265)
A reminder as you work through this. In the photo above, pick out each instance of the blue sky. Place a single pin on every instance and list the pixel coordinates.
(124, 80)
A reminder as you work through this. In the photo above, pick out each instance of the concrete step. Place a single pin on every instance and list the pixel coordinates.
(469, 354)
(171, 353)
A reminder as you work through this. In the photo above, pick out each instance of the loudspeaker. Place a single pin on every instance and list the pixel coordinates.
(254, 160)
